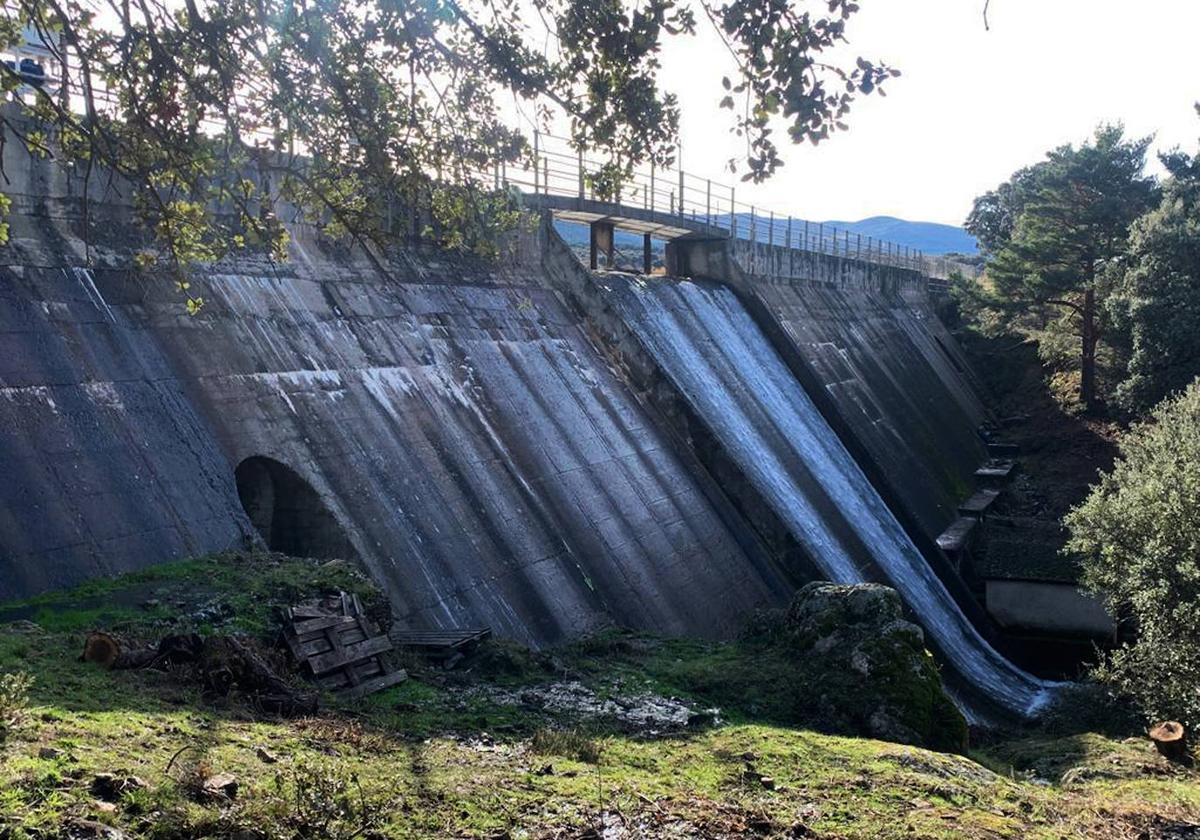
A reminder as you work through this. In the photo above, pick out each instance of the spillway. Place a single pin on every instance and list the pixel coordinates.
(717, 357)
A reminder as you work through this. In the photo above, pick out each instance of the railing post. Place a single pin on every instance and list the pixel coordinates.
(680, 164)
(858, 247)
(771, 230)
(672, 202)
(821, 238)
(753, 225)
(537, 155)
(847, 249)
(708, 202)
(652, 185)
(546, 175)
(579, 165)
(805, 247)
(732, 214)
(791, 252)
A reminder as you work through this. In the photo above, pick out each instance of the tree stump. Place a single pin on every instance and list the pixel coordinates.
(1169, 740)
(101, 648)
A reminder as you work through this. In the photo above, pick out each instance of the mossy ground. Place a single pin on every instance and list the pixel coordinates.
(435, 757)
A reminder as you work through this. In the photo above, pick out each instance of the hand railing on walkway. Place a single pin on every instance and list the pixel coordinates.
(554, 168)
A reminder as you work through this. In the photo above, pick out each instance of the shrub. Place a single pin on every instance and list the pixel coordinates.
(1138, 536)
(14, 700)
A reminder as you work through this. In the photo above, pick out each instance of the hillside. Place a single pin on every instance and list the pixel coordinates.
(930, 237)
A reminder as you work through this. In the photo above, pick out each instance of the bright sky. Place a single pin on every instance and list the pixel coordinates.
(971, 106)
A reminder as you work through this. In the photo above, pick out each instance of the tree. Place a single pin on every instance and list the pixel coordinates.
(338, 106)
(1138, 535)
(1055, 228)
(1158, 299)
(994, 214)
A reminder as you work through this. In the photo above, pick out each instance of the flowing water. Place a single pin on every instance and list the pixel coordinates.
(720, 360)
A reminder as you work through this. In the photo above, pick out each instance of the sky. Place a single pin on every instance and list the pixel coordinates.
(972, 105)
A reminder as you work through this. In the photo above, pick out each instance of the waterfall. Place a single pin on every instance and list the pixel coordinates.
(719, 359)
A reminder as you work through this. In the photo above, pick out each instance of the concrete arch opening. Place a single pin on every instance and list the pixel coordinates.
(288, 512)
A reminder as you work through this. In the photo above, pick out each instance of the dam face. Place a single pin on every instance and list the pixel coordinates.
(726, 367)
(519, 443)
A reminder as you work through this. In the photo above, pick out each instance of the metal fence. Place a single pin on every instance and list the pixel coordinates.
(554, 168)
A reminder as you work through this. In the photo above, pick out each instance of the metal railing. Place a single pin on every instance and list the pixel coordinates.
(554, 168)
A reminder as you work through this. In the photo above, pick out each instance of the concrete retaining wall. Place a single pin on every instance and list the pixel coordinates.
(454, 418)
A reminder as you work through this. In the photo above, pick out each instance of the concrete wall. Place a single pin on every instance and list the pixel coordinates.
(456, 420)
(895, 382)
(1055, 609)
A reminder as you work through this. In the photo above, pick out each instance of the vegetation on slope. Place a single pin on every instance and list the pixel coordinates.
(491, 749)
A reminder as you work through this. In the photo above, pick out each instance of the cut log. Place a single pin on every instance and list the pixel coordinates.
(101, 648)
(1169, 739)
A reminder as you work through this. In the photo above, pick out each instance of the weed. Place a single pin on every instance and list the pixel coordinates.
(568, 743)
(320, 801)
(14, 700)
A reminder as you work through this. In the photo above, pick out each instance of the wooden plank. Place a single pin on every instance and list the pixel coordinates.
(377, 684)
(310, 626)
(339, 658)
(448, 638)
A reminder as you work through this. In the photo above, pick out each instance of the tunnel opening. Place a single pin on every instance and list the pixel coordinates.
(288, 513)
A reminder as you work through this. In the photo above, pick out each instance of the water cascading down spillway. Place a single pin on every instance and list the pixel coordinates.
(722, 363)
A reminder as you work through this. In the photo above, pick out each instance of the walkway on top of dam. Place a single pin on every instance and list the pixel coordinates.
(674, 204)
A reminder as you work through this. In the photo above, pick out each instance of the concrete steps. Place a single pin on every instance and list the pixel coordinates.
(976, 506)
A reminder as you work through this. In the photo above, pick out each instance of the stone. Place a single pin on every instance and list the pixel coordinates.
(110, 786)
(221, 786)
(870, 664)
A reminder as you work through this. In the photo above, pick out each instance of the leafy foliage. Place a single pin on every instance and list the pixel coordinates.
(14, 700)
(376, 119)
(1158, 298)
(1054, 231)
(1138, 534)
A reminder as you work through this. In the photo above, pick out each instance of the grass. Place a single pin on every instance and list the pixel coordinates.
(437, 757)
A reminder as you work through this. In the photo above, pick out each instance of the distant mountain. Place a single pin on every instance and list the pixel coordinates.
(930, 237)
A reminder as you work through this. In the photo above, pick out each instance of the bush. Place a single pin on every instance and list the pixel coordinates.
(1138, 536)
(14, 699)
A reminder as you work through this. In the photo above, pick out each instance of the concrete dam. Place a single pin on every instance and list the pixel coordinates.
(523, 443)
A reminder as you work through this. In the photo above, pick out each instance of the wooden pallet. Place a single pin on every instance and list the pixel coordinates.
(341, 648)
(441, 644)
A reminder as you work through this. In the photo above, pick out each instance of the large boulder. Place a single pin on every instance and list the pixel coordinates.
(867, 667)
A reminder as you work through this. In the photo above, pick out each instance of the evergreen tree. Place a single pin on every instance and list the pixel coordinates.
(1158, 300)
(1072, 217)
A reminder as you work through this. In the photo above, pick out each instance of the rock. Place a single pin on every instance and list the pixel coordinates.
(869, 666)
(102, 807)
(767, 782)
(266, 756)
(221, 786)
(49, 753)
(110, 786)
(90, 828)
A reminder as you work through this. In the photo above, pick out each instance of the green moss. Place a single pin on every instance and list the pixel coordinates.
(434, 757)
